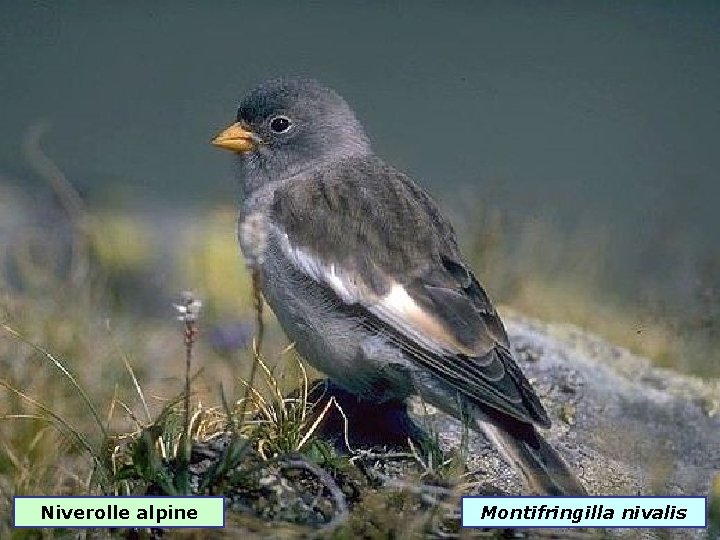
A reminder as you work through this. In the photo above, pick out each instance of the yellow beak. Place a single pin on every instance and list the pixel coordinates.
(236, 139)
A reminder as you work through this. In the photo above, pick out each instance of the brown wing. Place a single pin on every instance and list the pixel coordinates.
(375, 240)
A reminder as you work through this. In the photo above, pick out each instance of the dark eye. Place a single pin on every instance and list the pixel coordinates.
(280, 124)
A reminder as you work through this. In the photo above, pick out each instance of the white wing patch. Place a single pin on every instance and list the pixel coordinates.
(399, 300)
(399, 308)
(396, 308)
(338, 284)
(327, 274)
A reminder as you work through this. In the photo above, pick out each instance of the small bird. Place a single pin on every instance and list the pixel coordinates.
(365, 275)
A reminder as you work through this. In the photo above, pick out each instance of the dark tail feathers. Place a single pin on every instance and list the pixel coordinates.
(540, 465)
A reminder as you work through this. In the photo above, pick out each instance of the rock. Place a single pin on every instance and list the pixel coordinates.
(635, 428)
(625, 426)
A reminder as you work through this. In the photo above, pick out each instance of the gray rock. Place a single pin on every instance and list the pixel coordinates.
(625, 426)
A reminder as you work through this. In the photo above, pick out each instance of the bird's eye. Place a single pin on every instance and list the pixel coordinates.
(280, 124)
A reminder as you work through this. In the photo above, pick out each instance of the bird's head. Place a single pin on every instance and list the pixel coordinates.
(290, 125)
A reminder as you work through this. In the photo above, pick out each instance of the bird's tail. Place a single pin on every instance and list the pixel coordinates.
(541, 466)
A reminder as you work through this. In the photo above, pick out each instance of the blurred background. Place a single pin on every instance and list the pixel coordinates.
(574, 144)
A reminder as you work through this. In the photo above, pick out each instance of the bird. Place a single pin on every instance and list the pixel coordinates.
(365, 276)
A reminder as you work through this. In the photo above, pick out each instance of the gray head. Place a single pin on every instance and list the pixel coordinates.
(285, 126)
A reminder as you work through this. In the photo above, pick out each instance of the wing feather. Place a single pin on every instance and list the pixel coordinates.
(408, 280)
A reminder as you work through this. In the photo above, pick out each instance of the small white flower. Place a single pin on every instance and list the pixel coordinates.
(188, 308)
